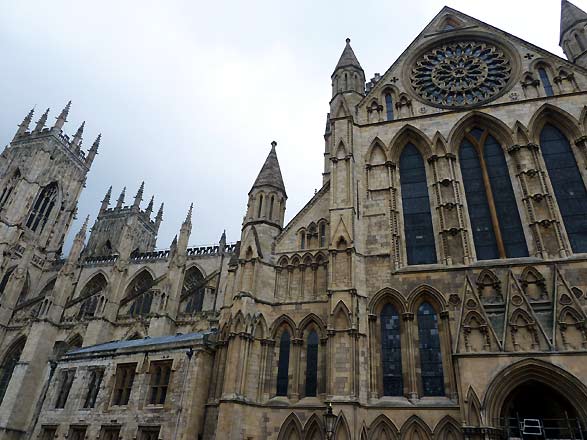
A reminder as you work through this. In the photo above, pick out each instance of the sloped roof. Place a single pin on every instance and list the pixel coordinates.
(348, 57)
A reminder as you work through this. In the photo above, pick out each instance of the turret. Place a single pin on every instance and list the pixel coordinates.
(348, 75)
(573, 38)
(267, 196)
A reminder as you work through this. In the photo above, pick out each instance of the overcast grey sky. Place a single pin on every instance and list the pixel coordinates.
(188, 95)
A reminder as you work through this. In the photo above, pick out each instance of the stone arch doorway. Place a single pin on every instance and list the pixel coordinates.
(544, 411)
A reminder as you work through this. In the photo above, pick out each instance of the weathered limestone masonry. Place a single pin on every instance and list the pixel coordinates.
(435, 287)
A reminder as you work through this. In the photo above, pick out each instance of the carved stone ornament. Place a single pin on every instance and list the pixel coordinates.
(461, 73)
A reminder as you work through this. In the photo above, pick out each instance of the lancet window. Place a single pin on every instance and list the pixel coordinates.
(42, 208)
(391, 353)
(283, 364)
(430, 352)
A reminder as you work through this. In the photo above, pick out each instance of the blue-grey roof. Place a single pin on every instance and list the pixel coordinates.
(135, 343)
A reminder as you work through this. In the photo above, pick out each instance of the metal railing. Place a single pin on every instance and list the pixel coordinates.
(567, 428)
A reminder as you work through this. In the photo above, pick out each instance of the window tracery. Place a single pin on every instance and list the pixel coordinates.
(42, 208)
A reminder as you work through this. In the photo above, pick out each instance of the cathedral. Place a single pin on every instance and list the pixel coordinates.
(434, 287)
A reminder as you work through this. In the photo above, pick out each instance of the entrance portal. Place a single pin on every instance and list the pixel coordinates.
(534, 410)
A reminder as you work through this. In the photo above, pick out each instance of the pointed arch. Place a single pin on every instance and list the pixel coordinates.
(382, 428)
(280, 322)
(473, 409)
(384, 296)
(142, 280)
(341, 316)
(415, 429)
(238, 323)
(193, 289)
(440, 144)
(409, 134)
(533, 283)
(447, 429)
(521, 133)
(311, 321)
(376, 154)
(9, 362)
(47, 199)
(95, 284)
(425, 292)
(341, 428)
(9, 187)
(291, 429)
(549, 114)
(5, 279)
(47, 288)
(496, 127)
(260, 329)
(341, 151)
(314, 428)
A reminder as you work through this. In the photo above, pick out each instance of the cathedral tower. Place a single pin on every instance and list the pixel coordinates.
(573, 38)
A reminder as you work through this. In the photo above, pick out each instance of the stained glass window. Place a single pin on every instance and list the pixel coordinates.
(312, 364)
(430, 354)
(391, 353)
(389, 107)
(194, 286)
(7, 191)
(322, 234)
(42, 208)
(419, 234)
(568, 185)
(486, 177)
(545, 82)
(8, 366)
(283, 365)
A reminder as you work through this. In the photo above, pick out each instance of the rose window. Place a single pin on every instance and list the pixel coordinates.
(461, 73)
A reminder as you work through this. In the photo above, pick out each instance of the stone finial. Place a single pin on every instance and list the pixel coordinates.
(149, 209)
(120, 200)
(139, 195)
(77, 137)
(62, 118)
(41, 122)
(24, 125)
(93, 151)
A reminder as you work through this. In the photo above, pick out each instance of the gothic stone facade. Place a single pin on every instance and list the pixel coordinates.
(433, 288)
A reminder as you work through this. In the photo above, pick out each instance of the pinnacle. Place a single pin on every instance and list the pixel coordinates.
(570, 16)
(270, 174)
(348, 57)
(41, 122)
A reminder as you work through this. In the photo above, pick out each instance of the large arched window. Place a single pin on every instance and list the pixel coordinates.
(391, 352)
(389, 107)
(312, 364)
(430, 353)
(8, 188)
(140, 293)
(42, 208)
(545, 81)
(283, 364)
(8, 365)
(567, 183)
(194, 288)
(90, 292)
(493, 211)
(420, 247)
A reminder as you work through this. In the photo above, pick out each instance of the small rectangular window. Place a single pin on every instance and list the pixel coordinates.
(48, 432)
(94, 383)
(160, 374)
(65, 382)
(110, 433)
(148, 433)
(125, 376)
(77, 432)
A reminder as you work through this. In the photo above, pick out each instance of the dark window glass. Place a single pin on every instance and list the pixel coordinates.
(302, 240)
(7, 191)
(568, 185)
(48, 432)
(419, 234)
(125, 376)
(260, 206)
(93, 388)
(42, 208)
(110, 433)
(312, 364)
(148, 433)
(142, 305)
(322, 234)
(194, 288)
(8, 366)
(64, 387)
(430, 354)
(389, 107)
(160, 375)
(271, 207)
(283, 365)
(545, 82)
(506, 207)
(479, 213)
(77, 433)
(391, 352)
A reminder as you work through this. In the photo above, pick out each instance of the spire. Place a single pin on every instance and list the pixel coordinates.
(93, 151)
(159, 217)
(348, 58)
(78, 243)
(77, 137)
(570, 16)
(41, 122)
(106, 201)
(24, 125)
(188, 218)
(82, 232)
(62, 118)
(149, 209)
(139, 196)
(120, 200)
(270, 174)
